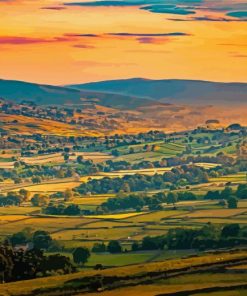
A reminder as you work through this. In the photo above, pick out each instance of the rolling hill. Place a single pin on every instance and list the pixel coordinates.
(174, 90)
(18, 91)
(128, 93)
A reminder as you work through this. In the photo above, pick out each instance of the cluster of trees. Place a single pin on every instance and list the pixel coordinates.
(112, 247)
(220, 158)
(39, 239)
(41, 200)
(22, 257)
(14, 198)
(228, 195)
(36, 173)
(19, 264)
(61, 209)
(208, 237)
(142, 201)
(177, 176)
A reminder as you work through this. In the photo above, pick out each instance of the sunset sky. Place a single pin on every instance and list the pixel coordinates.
(62, 42)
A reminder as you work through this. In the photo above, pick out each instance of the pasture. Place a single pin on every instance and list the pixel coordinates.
(126, 227)
(51, 187)
(58, 157)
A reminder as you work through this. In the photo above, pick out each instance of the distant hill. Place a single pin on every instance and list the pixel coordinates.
(128, 93)
(55, 95)
(173, 90)
(38, 93)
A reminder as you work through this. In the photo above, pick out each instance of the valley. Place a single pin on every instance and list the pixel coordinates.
(123, 148)
(139, 193)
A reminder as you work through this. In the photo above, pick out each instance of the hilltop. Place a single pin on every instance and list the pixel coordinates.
(122, 106)
(43, 94)
(173, 90)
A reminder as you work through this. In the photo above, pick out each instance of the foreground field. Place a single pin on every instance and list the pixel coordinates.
(177, 270)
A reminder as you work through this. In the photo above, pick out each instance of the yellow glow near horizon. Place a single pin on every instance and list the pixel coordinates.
(48, 50)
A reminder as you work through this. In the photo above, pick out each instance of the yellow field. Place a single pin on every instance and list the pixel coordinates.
(17, 210)
(217, 213)
(50, 187)
(94, 200)
(95, 234)
(225, 220)
(155, 216)
(115, 216)
(207, 165)
(11, 218)
(58, 157)
(18, 223)
(230, 178)
(151, 171)
(107, 224)
(242, 204)
(6, 165)
(96, 157)
(43, 126)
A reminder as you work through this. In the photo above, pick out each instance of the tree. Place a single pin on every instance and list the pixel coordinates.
(81, 255)
(114, 247)
(232, 202)
(135, 246)
(68, 194)
(242, 191)
(67, 149)
(42, 239)
(131, 150)
(25, 193)
(222, 203)
(115, 152)
(125, 187)
(99, 248)
(153, 243)
(80, 159)
(39, 200)
(226, 193)
(230, 230)
(66, 157)
(72, 210)
(57, 262)
(18, 238)
(213, 195)
(36, 180)
(171, 198)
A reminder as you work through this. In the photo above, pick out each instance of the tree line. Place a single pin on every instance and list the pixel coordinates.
(129, 183)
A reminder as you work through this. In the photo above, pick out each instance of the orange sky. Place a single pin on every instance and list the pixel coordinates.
(42, 45)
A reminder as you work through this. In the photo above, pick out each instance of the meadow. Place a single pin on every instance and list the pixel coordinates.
(127, 227)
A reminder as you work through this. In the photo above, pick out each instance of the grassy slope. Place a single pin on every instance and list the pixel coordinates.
(139, 272)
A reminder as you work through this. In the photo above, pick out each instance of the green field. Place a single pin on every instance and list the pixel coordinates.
(72, 232)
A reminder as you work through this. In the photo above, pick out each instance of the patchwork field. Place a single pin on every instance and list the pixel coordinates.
(217, 213)
(54, 158)
(72, 232)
